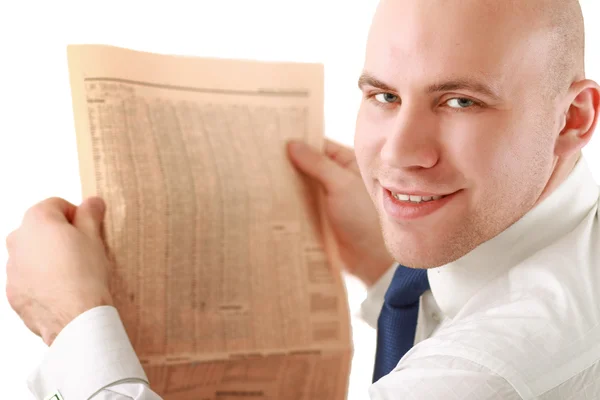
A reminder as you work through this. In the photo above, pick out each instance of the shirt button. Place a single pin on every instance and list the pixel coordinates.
(436, 317)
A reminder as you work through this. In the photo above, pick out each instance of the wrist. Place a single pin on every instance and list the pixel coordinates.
(52, 329)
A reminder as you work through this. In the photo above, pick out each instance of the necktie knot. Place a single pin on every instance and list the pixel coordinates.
(407, 286)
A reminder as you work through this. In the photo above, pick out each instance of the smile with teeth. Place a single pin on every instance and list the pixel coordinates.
(415, 199)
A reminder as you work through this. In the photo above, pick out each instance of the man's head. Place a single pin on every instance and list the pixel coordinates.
(481, 100)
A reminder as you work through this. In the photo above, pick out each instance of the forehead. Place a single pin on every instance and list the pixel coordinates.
(429, 40)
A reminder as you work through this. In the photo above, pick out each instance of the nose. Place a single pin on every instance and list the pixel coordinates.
(412, 140)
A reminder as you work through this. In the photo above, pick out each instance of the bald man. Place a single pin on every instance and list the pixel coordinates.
(468, 142)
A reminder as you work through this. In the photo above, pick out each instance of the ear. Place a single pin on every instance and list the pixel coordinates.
(580, 119)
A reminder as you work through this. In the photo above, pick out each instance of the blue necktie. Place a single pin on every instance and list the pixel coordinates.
(397, 322)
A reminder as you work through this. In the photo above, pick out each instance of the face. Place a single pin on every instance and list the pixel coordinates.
(455, 136)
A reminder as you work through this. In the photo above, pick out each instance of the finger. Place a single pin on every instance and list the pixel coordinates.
(10, 295)
(54, 207)
(341, 154)
(89, 216)
(315, 164)
(10, 289)
(10, 240)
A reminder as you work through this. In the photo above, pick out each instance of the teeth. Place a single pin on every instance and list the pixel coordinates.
(415, 199)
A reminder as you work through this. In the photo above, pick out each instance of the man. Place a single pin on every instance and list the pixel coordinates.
(468, 142)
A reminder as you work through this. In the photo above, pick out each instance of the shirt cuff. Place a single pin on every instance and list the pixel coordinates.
(91, 353)
(371, 306)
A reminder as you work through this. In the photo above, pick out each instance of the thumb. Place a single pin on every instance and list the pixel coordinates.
(315, 164)
(89, 217)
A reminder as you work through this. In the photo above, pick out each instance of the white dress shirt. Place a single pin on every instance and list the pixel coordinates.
(516, 318)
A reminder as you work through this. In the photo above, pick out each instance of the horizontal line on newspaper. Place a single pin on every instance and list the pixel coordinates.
(219, 358)
(258, 92)
(240, 393)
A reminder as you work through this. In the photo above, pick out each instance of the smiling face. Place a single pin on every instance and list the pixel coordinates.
(456, 104)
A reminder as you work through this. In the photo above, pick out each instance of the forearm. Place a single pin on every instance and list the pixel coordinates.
(92, 358)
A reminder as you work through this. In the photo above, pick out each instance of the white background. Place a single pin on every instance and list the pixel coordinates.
(37, 143)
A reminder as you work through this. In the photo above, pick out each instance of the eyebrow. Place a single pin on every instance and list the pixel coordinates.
(367, 79)
(464, 84)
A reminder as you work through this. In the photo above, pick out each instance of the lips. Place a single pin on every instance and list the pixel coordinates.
(420, 205)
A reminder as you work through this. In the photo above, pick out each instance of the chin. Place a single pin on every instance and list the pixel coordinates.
(424, 251)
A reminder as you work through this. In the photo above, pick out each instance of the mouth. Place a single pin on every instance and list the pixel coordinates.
(416, 199)
(410, 206)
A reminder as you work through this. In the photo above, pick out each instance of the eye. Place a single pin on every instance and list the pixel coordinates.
(386, 98)
(460, 102)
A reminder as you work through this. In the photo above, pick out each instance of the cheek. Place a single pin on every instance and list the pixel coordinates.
(479, 146)
(368, 139)
(500, 155)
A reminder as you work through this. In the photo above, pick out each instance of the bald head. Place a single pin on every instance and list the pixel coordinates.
(563, 20)
(555, 26)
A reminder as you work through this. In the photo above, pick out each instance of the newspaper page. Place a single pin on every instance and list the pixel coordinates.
(224, 272)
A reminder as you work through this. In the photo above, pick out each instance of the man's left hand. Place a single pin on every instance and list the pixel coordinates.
(57, 265)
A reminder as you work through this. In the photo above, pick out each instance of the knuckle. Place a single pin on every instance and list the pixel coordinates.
(42, 209)
(52, 202)
(35, 212)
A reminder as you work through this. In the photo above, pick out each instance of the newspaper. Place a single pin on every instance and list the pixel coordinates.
(225, 273)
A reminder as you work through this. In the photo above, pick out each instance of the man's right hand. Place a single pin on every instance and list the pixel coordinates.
(348, 206)
(58, 265)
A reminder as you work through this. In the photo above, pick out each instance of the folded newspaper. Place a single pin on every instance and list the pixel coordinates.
(225, 273)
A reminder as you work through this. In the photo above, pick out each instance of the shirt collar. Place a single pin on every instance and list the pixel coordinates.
(454, 284)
